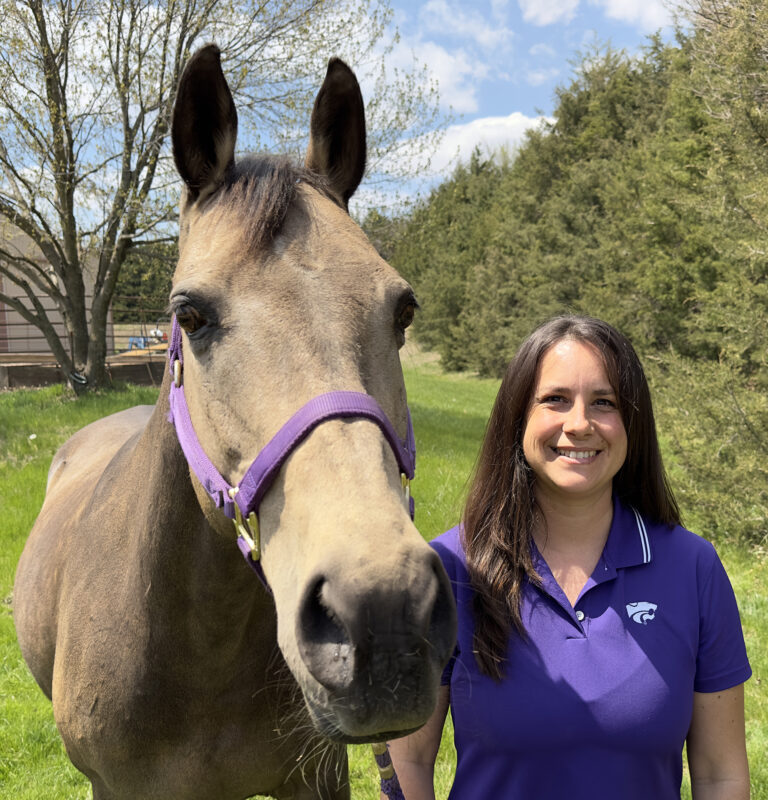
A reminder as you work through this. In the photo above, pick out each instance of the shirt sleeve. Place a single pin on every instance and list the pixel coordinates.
(722, 660)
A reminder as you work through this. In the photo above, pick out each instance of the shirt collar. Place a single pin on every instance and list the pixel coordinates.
(628, 542)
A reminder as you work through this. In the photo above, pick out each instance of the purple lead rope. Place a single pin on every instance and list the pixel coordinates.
(390, 785)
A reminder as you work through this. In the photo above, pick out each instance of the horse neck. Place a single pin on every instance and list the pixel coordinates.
(192, 573)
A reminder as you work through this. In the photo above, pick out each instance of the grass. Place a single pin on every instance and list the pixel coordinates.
(33, 423)
(449, 413)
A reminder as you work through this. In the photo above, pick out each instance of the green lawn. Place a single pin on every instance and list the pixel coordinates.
(449, 414)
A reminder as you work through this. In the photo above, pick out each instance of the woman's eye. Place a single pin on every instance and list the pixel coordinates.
(605, 403)
(553, 398)
(190, 319)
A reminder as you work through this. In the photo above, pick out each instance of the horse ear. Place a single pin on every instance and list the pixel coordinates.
(204, 126)
(337, 131)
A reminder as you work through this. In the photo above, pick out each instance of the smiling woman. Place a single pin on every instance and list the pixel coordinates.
(596, 635)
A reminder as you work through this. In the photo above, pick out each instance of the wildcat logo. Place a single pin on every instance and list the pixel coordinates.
(642, 612)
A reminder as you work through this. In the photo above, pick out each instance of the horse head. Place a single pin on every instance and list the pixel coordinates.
(281, 298)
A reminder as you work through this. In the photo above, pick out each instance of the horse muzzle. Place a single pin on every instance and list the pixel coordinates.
(375, 655)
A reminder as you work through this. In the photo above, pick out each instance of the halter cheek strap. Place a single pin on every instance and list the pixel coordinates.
(241, 503)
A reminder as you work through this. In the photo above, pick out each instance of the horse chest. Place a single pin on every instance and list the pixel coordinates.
(166, 697)
(162, 735)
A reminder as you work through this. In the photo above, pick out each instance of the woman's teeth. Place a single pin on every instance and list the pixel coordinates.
(578, 454)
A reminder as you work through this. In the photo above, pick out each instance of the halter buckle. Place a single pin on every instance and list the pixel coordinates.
(406, 483)
(247, 530)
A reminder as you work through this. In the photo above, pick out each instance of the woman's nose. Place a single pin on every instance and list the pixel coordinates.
(577, 419)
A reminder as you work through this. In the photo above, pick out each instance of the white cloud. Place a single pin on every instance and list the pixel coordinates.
(537, 77)
(646, 14)
(488, 133)
(453, 19)
(539, 12)
(542, 49)
(458, 73)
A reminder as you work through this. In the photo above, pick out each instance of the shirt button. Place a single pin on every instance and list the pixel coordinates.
(580, 616)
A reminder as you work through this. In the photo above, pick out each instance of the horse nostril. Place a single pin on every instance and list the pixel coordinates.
(324, 643)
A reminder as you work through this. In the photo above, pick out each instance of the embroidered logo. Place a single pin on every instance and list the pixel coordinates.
(641, 612)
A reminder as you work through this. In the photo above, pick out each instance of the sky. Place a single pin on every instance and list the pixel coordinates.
(497, 62)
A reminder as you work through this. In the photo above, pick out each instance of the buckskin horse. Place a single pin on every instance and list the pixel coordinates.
(281, 426)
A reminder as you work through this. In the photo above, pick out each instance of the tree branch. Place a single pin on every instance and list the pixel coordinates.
(41, 321)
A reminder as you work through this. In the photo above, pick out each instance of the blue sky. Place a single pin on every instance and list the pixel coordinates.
(497, 62)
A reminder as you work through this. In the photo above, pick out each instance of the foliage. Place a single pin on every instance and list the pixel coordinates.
(144, 284)
(434, 252)
(635, 204)
(730, 76)
(714, 428)
(586, 218)
(86, 91)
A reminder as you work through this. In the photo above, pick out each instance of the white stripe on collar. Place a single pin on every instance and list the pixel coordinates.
(644, 541)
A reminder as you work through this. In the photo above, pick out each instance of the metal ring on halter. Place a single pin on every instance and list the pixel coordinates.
(177, 373)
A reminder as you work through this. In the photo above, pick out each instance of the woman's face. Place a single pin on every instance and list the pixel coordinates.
(574, 438)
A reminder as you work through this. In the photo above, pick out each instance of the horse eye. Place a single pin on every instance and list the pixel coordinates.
(405, 315)
(190, 319)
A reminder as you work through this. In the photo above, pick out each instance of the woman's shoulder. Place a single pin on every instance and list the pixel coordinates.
(678, 539)
(682, 550)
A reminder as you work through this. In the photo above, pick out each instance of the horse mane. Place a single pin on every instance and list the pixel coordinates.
(261, 189)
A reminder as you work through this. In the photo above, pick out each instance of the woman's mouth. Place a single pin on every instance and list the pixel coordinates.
(578, 455)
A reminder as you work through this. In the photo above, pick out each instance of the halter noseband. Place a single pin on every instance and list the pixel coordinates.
(241, 503)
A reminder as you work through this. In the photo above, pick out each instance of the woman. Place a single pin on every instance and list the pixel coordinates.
(596, 635)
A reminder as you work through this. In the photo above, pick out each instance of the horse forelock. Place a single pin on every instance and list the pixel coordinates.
(260, 190)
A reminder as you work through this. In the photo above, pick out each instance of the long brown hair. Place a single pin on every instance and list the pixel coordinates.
(501, 509)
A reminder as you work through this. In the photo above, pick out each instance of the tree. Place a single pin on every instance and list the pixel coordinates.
(144, 284)
(86, 90)
(642, 202)
(600, 212)
(730, 75)
(438, 245)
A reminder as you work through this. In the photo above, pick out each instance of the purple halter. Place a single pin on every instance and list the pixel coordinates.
(241, 503)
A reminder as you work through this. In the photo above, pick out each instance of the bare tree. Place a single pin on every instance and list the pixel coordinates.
(86, 89)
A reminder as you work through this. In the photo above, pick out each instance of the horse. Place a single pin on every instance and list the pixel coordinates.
(174, 672)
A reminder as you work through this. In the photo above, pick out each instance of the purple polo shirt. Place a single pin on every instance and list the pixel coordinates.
(597, 702)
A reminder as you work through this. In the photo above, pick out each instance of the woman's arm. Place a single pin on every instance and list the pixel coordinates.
(413, 757)
(717, 752)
